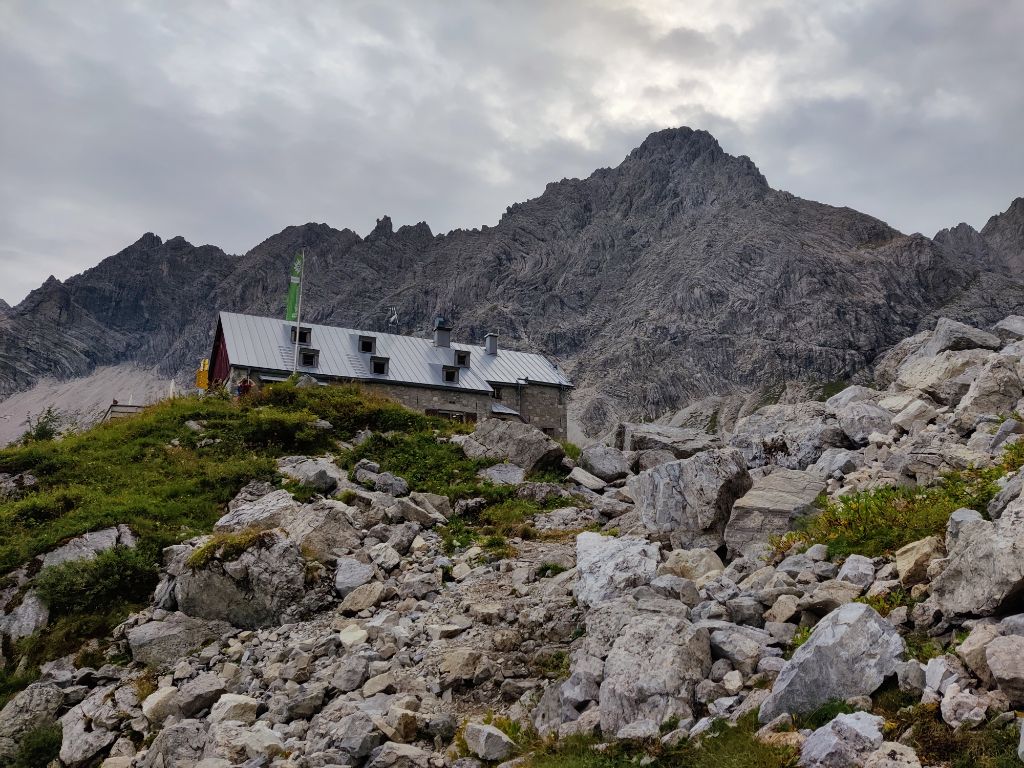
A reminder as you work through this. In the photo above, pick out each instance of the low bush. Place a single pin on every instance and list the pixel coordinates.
(39, 747)
(116, 575)
(938, 744)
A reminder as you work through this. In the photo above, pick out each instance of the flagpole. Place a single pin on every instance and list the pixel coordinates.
(298, 315)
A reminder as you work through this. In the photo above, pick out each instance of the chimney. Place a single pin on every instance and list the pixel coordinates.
(491, 344)
(442, 332)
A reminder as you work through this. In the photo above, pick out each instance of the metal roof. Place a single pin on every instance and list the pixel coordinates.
(265, 343)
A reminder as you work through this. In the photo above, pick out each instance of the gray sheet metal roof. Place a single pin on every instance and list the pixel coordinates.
(265, 343)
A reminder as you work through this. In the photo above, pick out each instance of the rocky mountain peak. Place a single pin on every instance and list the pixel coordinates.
(1004, 233)
(383, 229)
(148, 241)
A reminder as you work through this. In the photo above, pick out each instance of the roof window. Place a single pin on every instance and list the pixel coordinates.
(368, 344)
(379, 365)
(309, 358)
(305, 335)
(450, 374)
(462, 358)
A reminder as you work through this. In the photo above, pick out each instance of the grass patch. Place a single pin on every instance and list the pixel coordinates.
(427, 465)
(825, 714)
(572, 450)
(801, 636)
(39, 747)
(723, 746)
(12, 681)
(553, 665)
(167, 483)
(885, 604)
(831, 388)
(936, 743)
(922, 647)
(225, 546)
(547, 570)
(880, 521)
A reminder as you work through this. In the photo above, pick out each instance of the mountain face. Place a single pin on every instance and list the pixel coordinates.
(677, 274)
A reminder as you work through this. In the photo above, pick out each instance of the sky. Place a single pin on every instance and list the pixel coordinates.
(225, 121)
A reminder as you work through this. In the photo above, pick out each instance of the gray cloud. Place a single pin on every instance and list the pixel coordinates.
(227, 121)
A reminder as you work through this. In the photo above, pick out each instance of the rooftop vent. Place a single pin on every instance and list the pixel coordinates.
(442, 332)
(491, 344)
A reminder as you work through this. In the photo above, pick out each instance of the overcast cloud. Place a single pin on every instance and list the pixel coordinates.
(225, 121)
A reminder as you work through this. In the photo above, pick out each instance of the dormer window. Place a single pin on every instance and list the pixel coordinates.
(379, 365)
(305, 335)
(462, 359)
(450, 374)
(309, 358)
(368, 344)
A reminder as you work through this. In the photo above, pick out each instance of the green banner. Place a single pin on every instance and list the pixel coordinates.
(292, 310)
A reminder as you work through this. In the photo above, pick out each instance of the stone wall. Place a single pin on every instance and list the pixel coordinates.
(542, 406)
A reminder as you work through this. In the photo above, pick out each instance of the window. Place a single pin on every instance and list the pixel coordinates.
(450, 374)
(463, 417)
(367, 344)
(309, 358)
(305, 335)
(496, 394)
(462, 359)
(379, 365)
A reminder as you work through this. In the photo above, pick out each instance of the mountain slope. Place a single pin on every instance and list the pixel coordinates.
(679, 273)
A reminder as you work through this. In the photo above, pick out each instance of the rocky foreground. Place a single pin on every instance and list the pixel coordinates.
(657, 595)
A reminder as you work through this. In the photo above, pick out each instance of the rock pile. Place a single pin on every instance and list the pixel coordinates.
(345, 632)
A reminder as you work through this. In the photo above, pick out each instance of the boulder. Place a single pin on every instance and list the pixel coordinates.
(692, 497)
(322, 527)
(235, 707)
(161, 704)
(159, 643)
(943, 377)
(89, 727)
(994, 393)
(609, 566)
(912, 559)
(27, 618)
(88, 545)
(844, 742)
(1011, 490)
(514, 442)
(892, 754)
(952, 335)
(320, 473)
(396, 755)
(770, 507)
(27, 710)
(850, 653)
(604, 462)
(1004, 657)
(858, 570)
(1010, 328)
(792, 436)
(269, 511)
(915, 416)
(984, 570)
(860, 419)
(587, 480)
(681, 442)
(503, 474)
(255, 589)
(652, 670)
(351, 573)
(200, 693)
(179, 744)
(487, 742)
(837, 462)
(691, 563)
(852, 394)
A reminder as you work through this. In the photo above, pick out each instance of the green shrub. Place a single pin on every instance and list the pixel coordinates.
(825, 714)
(226, 546)
(884, 604)
(116, 575)
(427, 465)
(39, 747)
(938, 744)
(572, 450)
(880, 521)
